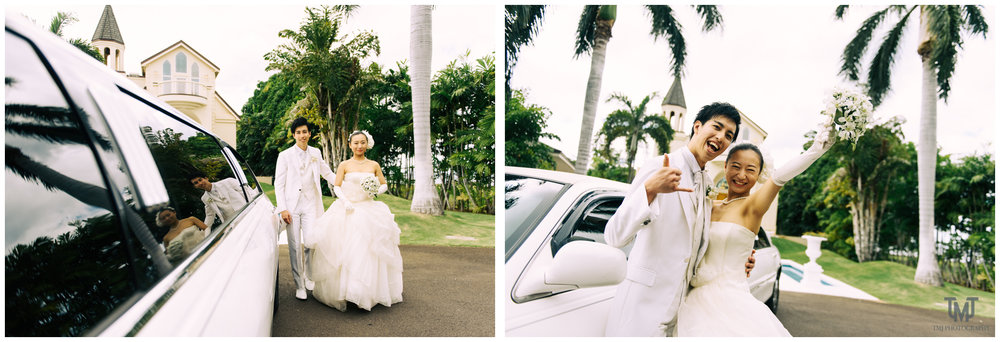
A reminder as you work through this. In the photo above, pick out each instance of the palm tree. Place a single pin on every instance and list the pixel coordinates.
(329, 67)
(633, 124)
(593, 33)
(941, 29)
(63, 19)
(425, 198)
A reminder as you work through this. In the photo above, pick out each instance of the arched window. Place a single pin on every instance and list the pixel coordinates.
(195, 86)
(118, 59)
(107, 52)
(181, 62)
(166, 76)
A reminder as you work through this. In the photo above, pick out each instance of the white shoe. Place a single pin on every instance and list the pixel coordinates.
(310, 284)
(300, 294)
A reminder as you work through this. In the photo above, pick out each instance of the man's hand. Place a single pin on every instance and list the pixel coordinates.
(665, 180)
(750, 262)
(286, 216)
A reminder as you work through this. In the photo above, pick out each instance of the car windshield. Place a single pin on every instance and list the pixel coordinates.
(526, 200)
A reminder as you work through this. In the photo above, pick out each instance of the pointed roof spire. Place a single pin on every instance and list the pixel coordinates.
(107, 27)
(676, 95)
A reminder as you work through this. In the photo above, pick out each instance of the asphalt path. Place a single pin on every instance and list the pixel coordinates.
(814, 315)
(447, 291)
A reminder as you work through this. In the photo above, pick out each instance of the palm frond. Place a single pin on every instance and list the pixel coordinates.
(620, 98)
(665, 25)
(945, 24)
(522, 23)
(586, 30)
(345, 10)
(855, 50)
(60, 21)
(840, 12)
(658, 128)
(710, 16)
(879, 79)
(974, 20)
(641, 108)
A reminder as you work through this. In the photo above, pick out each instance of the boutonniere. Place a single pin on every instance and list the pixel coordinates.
(712, 191)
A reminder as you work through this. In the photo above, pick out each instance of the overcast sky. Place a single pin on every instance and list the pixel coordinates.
(235, 38)
(777, 64)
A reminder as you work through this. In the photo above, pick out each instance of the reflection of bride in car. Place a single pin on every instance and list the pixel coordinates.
(183, 235)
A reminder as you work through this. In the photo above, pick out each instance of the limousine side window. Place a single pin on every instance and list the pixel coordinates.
(67, 267)
(250, 186)
(181, 152)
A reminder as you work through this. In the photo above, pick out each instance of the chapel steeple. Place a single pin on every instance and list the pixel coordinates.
(108, 40)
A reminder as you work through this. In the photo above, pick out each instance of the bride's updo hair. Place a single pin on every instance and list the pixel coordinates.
(159, 222)
(747, 146)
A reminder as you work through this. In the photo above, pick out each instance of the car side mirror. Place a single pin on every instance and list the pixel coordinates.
(578, 264)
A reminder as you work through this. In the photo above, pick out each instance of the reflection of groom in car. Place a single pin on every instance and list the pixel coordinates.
(222, 199)
(666, 212)
(300, 202)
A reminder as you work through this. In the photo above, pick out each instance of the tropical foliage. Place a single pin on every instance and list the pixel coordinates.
(329, 67)
(63, 19)
(824, 199)
(941, 31)
(461, 118)
(524, 126)
(634, 125)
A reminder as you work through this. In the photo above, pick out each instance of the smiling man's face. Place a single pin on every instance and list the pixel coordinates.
(711, 138)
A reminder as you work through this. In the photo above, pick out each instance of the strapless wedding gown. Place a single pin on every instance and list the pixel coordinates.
(356, 257)
(720, 303)
(184, 243)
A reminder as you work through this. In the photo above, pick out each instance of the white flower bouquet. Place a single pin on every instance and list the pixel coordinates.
(849, 113)
(369, 185)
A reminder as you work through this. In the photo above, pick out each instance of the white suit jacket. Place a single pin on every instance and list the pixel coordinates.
(288, 182)
(230, 188)
(657, 276)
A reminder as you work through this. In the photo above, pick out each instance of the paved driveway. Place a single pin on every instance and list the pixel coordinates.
(818, 315)
(447, 291)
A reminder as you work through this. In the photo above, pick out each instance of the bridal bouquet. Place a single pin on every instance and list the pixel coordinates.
(369, 185)
(849, 114)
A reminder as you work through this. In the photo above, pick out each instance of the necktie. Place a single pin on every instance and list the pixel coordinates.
(700, 208)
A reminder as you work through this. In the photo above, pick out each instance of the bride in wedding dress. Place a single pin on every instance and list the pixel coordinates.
(719, 302)
(356, 254)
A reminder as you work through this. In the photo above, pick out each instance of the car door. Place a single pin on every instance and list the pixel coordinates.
(577, 312)
(225, 287)
(767, 266)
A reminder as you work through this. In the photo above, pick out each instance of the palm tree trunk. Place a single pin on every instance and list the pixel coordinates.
(928, 271)
(425, 199)
(603, 34)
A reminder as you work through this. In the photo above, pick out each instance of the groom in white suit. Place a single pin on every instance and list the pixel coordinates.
(667, 213)
(300, 202)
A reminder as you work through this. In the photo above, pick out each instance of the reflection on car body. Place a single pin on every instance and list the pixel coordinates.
(91, 159)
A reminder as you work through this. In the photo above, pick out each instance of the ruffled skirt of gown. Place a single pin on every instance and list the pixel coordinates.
(356, 257)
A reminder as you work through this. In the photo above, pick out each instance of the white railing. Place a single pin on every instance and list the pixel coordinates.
(183, 88)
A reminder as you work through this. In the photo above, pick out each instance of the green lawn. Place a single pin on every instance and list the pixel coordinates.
(889, 281)
(419, 229)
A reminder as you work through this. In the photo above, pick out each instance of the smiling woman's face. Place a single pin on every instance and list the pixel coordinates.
(742, 171)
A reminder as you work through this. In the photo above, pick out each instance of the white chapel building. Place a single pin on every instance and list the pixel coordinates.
(178, 75)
